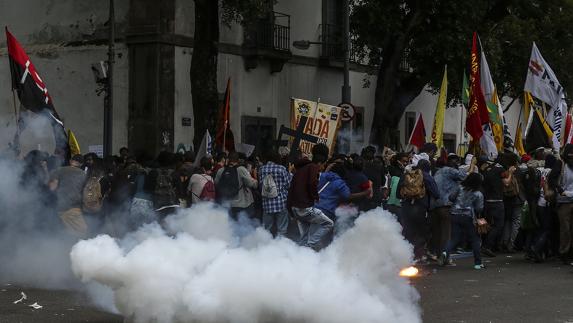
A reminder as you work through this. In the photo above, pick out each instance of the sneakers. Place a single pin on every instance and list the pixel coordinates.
(487, 252)
(443, 259)
(479, 267)
(431, 256)
(451, 263)
(421, 261)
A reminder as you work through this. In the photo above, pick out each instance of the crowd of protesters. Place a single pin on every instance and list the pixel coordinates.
(445, 203)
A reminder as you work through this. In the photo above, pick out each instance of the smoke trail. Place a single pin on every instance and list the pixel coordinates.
(350, 142)
(210, 269)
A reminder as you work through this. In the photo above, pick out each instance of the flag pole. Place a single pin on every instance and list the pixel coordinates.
(16, 141)
(14, 103)
(519, 121)
(225, 136)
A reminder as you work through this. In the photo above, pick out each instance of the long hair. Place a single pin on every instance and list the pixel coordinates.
(472, 182)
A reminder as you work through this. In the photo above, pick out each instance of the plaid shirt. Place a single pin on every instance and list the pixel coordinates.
(282, 178)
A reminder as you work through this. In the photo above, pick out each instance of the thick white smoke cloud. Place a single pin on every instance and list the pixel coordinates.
(210, 269)
(34, 247)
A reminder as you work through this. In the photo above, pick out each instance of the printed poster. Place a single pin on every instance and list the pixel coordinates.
(323, 122)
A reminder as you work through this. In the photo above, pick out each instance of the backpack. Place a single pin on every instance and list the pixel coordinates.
(532, 183)
(227, 187)
(413, 187)
(208, 191)
(512, 189)
(269, 189)
(549, 192)
(92, 197)
(164, 191)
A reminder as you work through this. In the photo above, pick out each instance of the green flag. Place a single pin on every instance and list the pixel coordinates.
(493, 112)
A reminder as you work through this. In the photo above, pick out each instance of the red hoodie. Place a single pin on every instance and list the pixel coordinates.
(303, 190)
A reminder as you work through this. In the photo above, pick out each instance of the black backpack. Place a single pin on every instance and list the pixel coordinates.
(227, 187)
(532, 183)
(164, 192)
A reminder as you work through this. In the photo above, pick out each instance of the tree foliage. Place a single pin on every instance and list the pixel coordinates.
(242, 11)
(429, 34)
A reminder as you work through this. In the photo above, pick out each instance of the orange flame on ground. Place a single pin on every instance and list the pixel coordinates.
(409, 272)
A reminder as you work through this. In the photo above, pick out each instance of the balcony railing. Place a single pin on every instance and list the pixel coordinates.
(272, 33)
(332, 43)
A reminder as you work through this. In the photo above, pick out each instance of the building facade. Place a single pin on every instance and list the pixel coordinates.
(153, 109)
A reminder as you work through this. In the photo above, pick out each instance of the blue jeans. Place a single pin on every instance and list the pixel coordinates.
(313, 225)
(512, 222)
(280, 218)
(463, 226)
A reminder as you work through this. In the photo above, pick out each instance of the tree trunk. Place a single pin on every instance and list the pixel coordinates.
(205, 95)
(395, 89)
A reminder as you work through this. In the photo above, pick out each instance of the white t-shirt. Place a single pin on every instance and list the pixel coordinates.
(544, 173)
(196, 184)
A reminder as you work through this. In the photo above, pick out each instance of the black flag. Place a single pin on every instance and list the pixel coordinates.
(33, 93)
(536, 134)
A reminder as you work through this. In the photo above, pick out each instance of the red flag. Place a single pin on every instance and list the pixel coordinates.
(418, 136)
(32, 91)
(568, 137)
(477, 110)
(224, 138)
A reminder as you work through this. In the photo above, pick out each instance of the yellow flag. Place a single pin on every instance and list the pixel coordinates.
(519, 141)
(73, 143)
(528, 103)
(497, 127)
(438, 129)
(546, 126)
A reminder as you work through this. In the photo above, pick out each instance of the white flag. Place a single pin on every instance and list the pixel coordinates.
(543, 84)
(205, 148)
(541, 81)
(490, 94)
(556, 119)
(487, 143)
(487, 85)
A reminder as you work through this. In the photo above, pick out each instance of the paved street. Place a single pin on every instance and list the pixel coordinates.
(57, 306)
(509, 290)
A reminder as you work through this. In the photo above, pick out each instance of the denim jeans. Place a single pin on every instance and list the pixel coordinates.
(495, 214)
(542, 234)
(280, 218)
(248, 211)
(313, 225)
(512, 222)
(463, 226)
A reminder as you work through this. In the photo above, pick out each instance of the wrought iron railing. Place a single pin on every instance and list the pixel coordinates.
(271, 33)
(332, 43)
(331, 39)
